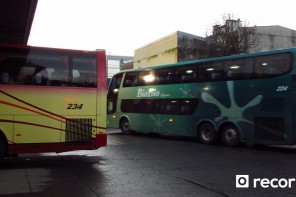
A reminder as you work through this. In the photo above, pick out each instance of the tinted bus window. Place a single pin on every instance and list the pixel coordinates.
(272, 65)
(83, 72)
(186, 74)
(239, 69)
(131, 79)
(211, 71)
(33, 67)
(164, 76)
(116, 81)
(146, 78)
(159, 106)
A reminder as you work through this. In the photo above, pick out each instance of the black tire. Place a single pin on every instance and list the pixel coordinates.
(230, 136)
(125, 126)
(206, 133)
(3, 149)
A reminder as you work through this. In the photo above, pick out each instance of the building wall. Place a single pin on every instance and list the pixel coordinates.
(114, 62)
(162, 51)
(191, 47)
(113, 67)
(181, 46)
(127, 66)
(275, 37)
(176, 47)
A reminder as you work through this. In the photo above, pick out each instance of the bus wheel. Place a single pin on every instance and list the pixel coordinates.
(125, 126)
(3, 149)
(230, 135)
(206, 133)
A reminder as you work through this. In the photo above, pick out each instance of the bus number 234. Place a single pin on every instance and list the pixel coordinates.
(75, 106)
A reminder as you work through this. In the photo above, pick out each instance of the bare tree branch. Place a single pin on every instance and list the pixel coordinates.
(231, 37)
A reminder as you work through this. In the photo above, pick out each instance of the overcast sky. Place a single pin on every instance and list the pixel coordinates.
(121, 26)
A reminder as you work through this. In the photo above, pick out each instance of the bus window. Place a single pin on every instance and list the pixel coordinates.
(211, 71)
(172, 107)
(84, 72)
(239, 69)
(164, 76)
(272, 65)
(131, 79)
(4, 78)
(59, 77)
(146, 78)
(132, 105)
(149, 106)
(186, 74)
(188, 106)
(116, 81)
(9, 68)
(159, 106)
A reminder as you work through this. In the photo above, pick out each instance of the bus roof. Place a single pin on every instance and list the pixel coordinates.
(19, 46)
(236, 56)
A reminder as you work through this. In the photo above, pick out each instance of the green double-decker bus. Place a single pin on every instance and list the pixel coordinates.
(245, 98)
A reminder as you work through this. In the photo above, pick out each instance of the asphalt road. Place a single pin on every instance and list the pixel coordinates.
(144, 165)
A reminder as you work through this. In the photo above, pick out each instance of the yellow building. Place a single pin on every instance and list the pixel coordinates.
(173, 48)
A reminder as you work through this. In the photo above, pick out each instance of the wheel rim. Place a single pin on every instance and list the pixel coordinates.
(231, 135)
(206, 134)
(125, 126)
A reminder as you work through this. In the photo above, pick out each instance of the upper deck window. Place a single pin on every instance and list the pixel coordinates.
(131, 79)
(255, 67)
(48, 68)
(272, 65)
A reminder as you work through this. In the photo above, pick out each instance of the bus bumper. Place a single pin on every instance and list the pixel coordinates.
(101, 140)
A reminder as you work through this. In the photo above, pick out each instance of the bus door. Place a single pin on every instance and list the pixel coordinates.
(113, 93)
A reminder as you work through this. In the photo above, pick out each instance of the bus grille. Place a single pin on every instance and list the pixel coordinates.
(78, 130)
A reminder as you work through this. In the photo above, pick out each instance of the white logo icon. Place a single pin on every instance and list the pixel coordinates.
(242, 181)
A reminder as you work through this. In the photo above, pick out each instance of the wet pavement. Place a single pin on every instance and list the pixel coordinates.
(144, 165)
